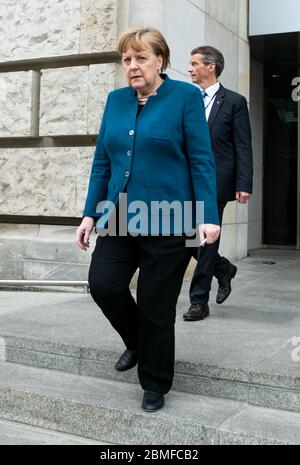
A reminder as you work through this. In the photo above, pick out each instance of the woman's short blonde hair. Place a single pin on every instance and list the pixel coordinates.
(140, 37)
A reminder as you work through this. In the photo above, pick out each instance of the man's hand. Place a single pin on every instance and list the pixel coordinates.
(242, 197)
(209, 233)
(83, 232)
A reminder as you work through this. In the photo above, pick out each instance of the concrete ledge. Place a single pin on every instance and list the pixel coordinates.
(16, 434)
(37, 252)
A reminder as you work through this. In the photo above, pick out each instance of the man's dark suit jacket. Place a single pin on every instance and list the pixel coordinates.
(231, 144)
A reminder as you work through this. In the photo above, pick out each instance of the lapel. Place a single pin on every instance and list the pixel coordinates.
(219, 100)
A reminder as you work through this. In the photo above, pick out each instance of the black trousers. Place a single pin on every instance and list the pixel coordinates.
(209, 264)
(147, 323)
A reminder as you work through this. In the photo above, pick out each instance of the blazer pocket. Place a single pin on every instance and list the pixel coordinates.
(161, 131)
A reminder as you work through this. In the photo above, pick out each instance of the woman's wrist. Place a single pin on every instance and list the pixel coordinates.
(94, 218)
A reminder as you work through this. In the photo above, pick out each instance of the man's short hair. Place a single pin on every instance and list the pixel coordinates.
(211, 55)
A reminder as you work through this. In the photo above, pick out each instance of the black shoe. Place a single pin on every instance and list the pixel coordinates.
(152, 401)
(224, 289)
(196, 312)
(127, 360)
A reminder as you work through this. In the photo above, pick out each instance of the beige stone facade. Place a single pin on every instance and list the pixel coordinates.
(15, 101)
(41, 181)
(44, 181)
(72, 99)
(67, 97)
(39, 29)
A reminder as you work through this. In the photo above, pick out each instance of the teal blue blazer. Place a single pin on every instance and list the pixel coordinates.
(164, 154)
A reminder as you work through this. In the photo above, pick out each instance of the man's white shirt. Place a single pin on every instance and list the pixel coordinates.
(210, 98)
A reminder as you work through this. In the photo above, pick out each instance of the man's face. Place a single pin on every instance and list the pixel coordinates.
(199, 72)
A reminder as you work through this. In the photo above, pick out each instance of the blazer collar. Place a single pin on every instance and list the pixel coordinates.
(163, 88)
(219, 100)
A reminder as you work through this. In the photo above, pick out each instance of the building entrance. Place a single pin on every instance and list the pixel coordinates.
(280, 157)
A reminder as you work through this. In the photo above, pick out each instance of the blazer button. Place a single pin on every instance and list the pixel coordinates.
(129, 153)
(126, 174)
(131, 132)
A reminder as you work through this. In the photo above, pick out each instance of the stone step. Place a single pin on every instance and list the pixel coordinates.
(266, 389)
(109, 411)
(12, 433)
(47, 252)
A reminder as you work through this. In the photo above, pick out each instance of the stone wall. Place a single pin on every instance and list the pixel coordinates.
(35, 29)
(257, 122)
(72, 99)
(44, 181)
(56, 91)
(226, 28)
(15, 100)
(48, 181)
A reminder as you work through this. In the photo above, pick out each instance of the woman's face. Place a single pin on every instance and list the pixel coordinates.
(141, 68)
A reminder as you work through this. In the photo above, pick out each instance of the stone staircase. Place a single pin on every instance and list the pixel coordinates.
(235, 380)
(248, 386)
(80, 394)
(16, 434)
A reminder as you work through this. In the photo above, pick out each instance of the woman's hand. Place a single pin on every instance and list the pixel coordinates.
(83, 232)
(209, 233)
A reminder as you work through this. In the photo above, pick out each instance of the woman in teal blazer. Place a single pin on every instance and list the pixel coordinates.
(154, 147)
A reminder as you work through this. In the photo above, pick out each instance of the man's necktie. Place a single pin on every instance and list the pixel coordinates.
(204, 94)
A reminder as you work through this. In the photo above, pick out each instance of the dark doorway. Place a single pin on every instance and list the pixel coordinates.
(280, 156)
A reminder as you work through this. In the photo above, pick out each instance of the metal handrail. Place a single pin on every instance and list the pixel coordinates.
(27, 282)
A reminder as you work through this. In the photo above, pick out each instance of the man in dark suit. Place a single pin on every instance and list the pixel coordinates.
(230, 133)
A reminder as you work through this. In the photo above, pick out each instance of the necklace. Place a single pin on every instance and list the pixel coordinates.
(143, 101)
